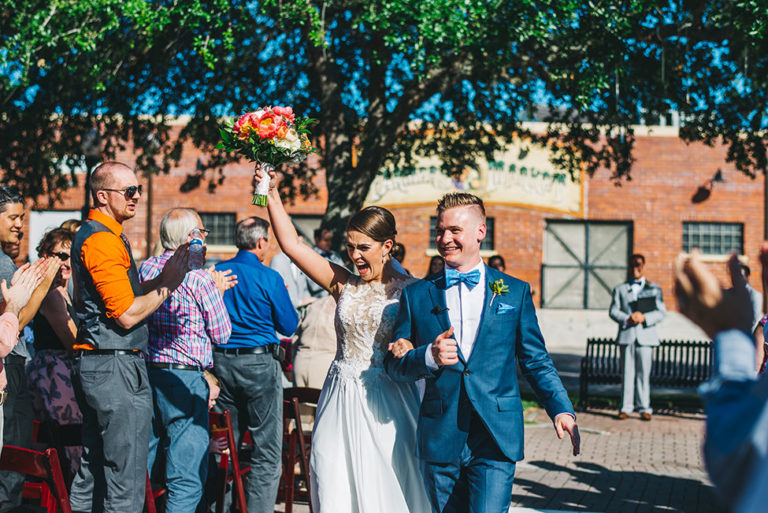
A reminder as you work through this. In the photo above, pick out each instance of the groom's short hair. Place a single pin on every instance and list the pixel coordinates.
(460, 199)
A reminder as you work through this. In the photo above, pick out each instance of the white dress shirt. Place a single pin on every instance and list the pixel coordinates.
(465, 309)
(636, 287)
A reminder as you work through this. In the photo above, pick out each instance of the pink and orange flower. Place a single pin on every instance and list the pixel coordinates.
(267, 123)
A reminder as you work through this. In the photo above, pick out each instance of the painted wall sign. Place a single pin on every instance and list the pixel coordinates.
(521, 175)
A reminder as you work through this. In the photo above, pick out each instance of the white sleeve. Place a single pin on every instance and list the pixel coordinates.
(429, 359)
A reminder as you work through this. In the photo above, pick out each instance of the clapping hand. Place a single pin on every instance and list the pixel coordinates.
(176, 267)
(224, 280)
(48, 268)
(400, 347)
(565, 423)
(25, 280)
(701, 298)
(444, 348)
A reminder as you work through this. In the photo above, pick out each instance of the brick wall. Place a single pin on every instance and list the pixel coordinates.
(665, 177)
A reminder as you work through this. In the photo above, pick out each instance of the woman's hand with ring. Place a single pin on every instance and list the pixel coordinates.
(400, 347)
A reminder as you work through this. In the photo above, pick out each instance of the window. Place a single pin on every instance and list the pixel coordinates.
(221, 226)
(487, 243)
(713, 238)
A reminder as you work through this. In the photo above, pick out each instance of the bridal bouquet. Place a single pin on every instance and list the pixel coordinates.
(270, 136)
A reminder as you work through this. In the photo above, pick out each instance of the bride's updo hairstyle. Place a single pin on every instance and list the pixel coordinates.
(375, 222)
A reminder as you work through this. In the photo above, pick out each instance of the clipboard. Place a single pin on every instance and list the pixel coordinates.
(644, 305)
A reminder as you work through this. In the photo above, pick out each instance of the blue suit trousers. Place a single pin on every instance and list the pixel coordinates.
(479, 481)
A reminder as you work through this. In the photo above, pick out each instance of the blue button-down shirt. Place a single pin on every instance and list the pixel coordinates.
(259, 304)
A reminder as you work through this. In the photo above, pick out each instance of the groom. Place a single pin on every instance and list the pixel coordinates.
(470, 325)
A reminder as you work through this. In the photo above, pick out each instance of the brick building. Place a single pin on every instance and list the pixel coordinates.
(569, 240)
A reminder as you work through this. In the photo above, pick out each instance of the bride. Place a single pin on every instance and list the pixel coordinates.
(364, 440)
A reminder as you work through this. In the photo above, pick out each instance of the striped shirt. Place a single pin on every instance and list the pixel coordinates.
(185, 325)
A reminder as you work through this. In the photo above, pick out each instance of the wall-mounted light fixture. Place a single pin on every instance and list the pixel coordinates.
(705, 191)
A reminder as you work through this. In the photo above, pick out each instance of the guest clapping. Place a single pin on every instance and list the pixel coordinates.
(25, 280)
(17, 409)
(181, 332)
(249, 366)
(50, 371)
(111, 380)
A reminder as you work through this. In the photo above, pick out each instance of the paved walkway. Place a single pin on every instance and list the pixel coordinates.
(626, 466)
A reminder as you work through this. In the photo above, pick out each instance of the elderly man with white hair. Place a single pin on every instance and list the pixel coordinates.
(181, 332)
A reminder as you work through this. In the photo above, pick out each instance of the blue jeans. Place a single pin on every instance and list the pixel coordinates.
(180, 428)
(480, 481)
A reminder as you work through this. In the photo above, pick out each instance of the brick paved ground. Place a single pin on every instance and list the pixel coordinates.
(626, 466)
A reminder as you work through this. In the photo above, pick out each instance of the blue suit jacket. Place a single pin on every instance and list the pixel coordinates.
(508, 332)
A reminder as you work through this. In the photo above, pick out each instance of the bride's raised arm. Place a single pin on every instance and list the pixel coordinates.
(323, 272)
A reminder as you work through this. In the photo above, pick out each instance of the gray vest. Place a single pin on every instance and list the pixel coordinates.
(93, 325)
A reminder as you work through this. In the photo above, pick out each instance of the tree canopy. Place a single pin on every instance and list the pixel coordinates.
(389, 78)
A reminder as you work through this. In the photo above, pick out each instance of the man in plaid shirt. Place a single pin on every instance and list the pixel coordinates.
(180, 335)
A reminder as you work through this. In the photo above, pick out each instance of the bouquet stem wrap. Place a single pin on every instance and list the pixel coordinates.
(262, 188)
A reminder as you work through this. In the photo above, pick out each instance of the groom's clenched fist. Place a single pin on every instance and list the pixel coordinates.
(444, 349)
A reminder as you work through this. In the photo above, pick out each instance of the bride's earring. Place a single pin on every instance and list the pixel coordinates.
(383, 258)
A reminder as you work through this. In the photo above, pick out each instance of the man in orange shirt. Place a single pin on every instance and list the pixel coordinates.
(110, 376)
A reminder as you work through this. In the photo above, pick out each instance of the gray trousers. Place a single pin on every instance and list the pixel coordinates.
(116, 401)
(18, 422)
(252, 390)
(636, 374)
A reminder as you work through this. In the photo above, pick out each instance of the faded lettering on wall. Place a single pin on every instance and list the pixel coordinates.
(520, 175)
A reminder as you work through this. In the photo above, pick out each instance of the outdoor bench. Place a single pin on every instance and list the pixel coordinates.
(675, 364)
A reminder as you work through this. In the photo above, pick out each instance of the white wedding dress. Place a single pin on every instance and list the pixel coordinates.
(364, 441)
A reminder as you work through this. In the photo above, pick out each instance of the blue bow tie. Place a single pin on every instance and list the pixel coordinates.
(454, 277)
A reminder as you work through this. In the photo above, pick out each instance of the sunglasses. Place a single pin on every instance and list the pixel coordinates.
(203, 231)
(128, 192)
(60, 255)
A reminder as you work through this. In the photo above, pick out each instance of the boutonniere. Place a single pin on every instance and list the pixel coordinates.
(498, 288)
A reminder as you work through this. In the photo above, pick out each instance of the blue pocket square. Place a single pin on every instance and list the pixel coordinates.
(502, 308)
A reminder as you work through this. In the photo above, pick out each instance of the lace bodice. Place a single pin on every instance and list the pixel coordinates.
(365, 317)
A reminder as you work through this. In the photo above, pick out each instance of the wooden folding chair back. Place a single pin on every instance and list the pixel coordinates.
(59, 437)
(222, 423)
(42, 465)
(151, 495)
(294, 439)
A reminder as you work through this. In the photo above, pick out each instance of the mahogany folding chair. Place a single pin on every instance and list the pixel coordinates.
(59, 437)
(52, 492)
(151, 495)
(221, 423)
(294, 439)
